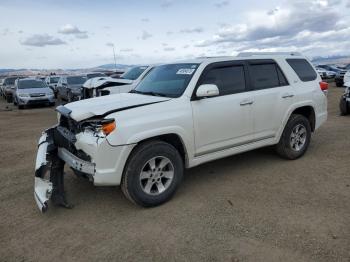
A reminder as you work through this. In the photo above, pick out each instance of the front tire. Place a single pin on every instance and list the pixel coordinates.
(8, 99)
(152, 174)
(295, 138)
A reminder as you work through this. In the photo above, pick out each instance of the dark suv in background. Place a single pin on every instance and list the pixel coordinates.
(8, 87)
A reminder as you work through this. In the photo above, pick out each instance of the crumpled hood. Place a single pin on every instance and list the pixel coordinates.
(103, 105)
(106, 81)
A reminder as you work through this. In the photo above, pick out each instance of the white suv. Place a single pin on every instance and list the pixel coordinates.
(182, 115)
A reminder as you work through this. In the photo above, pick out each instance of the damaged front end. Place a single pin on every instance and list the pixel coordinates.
(55, 149)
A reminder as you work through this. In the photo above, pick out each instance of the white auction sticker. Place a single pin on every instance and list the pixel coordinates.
(185, 71)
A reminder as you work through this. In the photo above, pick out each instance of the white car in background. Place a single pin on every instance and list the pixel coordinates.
(101, 86)
(344, 104)
(325, 74)
(347, 79)
(179, 116)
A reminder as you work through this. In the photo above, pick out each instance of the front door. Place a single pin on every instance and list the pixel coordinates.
(223, 121)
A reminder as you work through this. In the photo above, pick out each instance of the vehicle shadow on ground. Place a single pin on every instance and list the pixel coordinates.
(84, 195)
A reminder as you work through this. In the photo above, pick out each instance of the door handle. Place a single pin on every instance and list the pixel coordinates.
(246, 102)
(287, 95)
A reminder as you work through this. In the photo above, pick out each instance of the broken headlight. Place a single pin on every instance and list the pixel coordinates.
(102, 127)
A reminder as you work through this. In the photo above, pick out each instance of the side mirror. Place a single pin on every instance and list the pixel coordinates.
(207, 90)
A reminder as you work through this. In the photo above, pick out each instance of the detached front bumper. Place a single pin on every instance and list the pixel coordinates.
(50, 160)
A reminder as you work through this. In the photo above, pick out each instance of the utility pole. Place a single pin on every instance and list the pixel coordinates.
(115, 60)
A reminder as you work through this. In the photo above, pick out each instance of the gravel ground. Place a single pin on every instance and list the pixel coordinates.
(250, 207)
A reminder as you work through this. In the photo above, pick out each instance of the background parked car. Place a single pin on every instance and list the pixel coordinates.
(339, 77)
(325, 74)
(344, 104)
(1, 82)
(8, 87)
(97, 74)
(69, 87)
(31, 91)
(100, 86)
(52, 81)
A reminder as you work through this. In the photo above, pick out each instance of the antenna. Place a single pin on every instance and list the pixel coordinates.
(115, 60)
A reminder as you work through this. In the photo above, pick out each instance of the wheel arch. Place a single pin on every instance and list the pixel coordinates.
(309, 112)
(172, 138)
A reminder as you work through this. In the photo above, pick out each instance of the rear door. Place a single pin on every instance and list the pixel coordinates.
(272, 94)
(223, 121)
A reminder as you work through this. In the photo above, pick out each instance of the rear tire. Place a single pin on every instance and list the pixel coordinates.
(338, 84)
(152, 174)
(295, 138)
(20, 106)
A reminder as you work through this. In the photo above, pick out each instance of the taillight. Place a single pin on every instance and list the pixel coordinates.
(324, 86)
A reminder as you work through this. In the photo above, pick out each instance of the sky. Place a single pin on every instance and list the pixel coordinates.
(81, 34)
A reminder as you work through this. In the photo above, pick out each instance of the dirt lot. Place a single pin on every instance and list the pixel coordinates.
(251, 207)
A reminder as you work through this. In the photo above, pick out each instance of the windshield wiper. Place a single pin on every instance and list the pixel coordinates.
(148, 93)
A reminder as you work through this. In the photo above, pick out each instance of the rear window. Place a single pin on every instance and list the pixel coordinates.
(303, 69)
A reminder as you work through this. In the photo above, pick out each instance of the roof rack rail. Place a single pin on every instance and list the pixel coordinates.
(247, 54)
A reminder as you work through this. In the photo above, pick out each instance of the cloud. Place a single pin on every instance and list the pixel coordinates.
(6, 32)
(169, 32)
(169, 49)
(222, 4)
(164, 44)
(186, 46)
(298, 26)
(126, 50)
(192, 30)
(69, 29)
(145, 20)
(145, 35)
(109, 44)
(167, 3)
(42, 40)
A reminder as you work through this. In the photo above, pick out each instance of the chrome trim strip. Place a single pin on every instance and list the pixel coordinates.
(234, 145)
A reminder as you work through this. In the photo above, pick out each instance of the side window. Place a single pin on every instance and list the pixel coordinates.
(229, 79)
(303, 69)
(265, 76)
(281, 77)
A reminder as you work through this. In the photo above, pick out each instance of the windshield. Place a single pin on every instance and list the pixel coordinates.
(10, 81)
(167, 80)
(134, 72)
(54, 80)
(26, 84)
(76, 80)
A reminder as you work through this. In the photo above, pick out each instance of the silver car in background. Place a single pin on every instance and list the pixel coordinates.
(69, 87)
(30, 91)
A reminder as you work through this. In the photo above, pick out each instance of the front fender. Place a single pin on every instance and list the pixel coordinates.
(180, 132)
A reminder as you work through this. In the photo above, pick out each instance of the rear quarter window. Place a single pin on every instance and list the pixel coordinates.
(303, 69)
